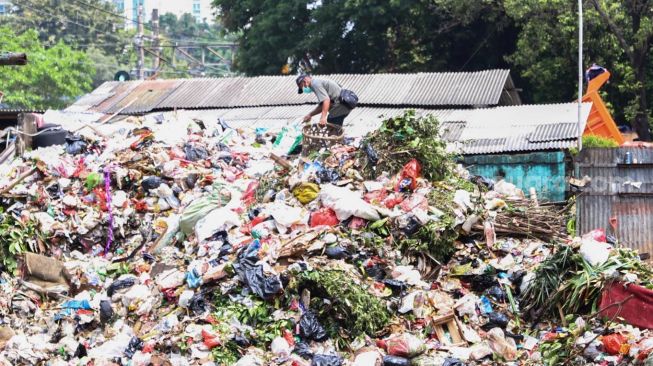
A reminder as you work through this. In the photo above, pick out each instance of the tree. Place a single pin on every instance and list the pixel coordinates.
(331, 36)
(52, 78)
(632, 24)
(79, 23)
(546, 53)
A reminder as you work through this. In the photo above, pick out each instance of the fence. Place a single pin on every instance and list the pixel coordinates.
(619, 197)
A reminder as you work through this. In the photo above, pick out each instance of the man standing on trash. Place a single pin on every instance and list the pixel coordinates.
(331, 107)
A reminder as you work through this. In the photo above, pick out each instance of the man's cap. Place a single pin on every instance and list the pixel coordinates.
(299, 79)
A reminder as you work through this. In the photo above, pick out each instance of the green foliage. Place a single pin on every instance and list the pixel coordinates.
(16, 237)
(547, 48)
(403, 138)
(350, 307)
(556, 351)
(598, 141)
(567, 280)
(251, 312)
(339, 36)
(52, 78)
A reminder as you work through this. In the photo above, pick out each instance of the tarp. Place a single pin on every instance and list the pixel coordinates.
(637, 311)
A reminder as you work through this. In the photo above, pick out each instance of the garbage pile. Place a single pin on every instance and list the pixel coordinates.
(155, 242)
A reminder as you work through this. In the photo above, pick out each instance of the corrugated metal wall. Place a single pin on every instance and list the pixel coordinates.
(619, 196)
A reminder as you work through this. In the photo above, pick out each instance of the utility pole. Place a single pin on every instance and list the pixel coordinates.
(141, 52)
(580, 74)
(155, 43)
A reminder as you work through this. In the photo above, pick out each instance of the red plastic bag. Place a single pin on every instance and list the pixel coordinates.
(613, 343)
(357, 223)
(324, 216)
(393, 200)
(412, 171)
(596, 234)
(249, 195)
(210, 340)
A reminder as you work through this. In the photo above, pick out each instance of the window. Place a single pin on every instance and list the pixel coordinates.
(196, 8)
(2, 9)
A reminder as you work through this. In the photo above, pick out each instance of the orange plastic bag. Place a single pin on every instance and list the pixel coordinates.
(613, 343)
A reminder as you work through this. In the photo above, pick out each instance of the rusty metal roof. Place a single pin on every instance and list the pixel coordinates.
(472, 89)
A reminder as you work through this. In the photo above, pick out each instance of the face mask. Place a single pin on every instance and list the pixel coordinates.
(307, 90)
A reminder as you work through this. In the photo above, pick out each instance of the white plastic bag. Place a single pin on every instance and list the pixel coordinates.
(219, 219)
(595, 252)
(347, 203)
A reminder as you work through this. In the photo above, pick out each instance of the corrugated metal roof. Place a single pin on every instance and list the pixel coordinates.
(481, 88)
(474, 131)
(611, 194)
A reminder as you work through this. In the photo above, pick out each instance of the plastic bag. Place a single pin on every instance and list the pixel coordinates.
(450, 361)
(280, 347)
(336, 252)
(324, 216)
(306, 192)
(120, 284)
(288, 139)
(496, 320)
(195, 152)
(221, 219)
(395, 361)
(202, 206)
(151, 182)
(502, 346)
(347, 203)
(106, 311)
(326, 360)
(310, 328)
(614, 343)
(369, 358)
(410, 171)
(594, 252)
(327, 175)
(597, 235)
(372, 155)
(404, 345)
(255, 278)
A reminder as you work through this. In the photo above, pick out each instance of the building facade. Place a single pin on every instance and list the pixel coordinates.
(199, 9)
(4, 7)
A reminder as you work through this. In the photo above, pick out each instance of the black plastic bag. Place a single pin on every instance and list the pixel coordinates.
(135, 344)
(395, 286)
(497, 293)
(80, 351)
(496, 320)
(303, 350)
(336, 252)
(326, 360)
(372, 155)
(106, 311)
(198, 304)
(195, 153)
(253, 276)
(310, 328)
(450, 361)
(395, 361)
(376, 272)
(75, 145)
(412, 226)
(482, 282)
(151, 182)
(327, 175)
(241, 341)
(120, 284)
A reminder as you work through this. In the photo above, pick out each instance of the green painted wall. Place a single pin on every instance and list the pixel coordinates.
(545, 171)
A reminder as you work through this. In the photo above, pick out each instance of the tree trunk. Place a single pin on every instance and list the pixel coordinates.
(641, 123)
